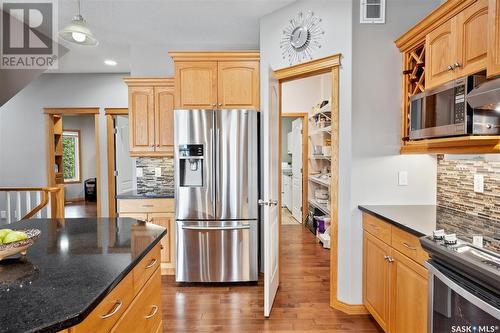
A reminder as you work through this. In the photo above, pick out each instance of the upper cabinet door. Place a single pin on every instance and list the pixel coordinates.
(472, 43)
(196, 84)
(141, 119)
(439, 55)
(494, 38)
(238, 85)
(164, 119)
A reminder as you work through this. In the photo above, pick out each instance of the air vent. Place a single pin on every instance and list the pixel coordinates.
(372, 11)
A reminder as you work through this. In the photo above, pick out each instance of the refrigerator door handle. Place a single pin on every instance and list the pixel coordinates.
(217, 167)
(212, 195)
(217, 228)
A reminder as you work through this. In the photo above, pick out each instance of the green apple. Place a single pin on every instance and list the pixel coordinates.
(3, 233)
(14, 236)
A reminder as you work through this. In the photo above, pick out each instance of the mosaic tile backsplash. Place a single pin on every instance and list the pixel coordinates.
(455, 186)
(148, 182)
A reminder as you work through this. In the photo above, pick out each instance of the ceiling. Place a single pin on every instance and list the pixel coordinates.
(126, 29)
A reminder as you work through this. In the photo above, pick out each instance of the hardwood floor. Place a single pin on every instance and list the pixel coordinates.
(302, 303)
(287, 217)
(80, 209)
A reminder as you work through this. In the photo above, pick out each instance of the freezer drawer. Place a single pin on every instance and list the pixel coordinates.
(216, 251)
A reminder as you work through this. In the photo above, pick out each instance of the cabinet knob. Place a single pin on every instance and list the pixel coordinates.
(450, 68)
(214, 105)
(220, 104)
(457, 65)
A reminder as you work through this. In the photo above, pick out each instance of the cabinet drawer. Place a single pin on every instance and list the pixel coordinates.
(146, 267)
(107, 313)
(377, 228)
(145, 313)
(408, 245)
(146, 206)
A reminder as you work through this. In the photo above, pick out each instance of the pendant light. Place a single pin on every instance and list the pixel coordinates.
(77, 32)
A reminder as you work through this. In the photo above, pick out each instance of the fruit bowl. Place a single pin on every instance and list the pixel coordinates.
(7, 250)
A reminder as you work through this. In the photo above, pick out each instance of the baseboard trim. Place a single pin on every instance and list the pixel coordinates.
(75, 200)
(165, 270)
(350, 309)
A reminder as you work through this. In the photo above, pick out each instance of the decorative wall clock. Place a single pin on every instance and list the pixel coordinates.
(301, 37)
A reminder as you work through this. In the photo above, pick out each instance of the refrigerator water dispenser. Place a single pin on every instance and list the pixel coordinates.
(191, 165)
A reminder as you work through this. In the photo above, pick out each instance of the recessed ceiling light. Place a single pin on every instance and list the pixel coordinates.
(110, 62)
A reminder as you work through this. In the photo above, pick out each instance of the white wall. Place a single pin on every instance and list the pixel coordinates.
(337, 24)
(370, 100)
(86, 126)
(301, 95)
(22, 126)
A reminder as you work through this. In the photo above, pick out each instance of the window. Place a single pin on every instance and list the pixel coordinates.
(71, 156)
(372, 11)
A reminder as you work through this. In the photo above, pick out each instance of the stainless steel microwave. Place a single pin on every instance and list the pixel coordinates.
(444, 112)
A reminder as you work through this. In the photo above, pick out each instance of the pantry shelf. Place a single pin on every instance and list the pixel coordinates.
(322, 207)
(319, 181)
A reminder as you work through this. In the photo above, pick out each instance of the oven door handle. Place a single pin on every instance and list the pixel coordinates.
(486, 307)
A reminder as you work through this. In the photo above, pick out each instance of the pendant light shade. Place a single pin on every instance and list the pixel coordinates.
(77, 31)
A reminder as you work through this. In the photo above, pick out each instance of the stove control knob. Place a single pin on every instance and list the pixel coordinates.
(450, 239)
(438, 234)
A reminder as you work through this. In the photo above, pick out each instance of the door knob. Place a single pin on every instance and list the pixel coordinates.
(273, 202)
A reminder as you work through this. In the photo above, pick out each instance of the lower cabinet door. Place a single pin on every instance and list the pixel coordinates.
(376, 278)
(145, 312)
(166, 220)
(408, 295)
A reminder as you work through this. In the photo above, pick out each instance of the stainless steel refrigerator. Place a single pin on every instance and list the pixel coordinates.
(216, 193)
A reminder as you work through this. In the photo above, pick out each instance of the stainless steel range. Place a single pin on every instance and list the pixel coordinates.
(216, 195)
(464, 285)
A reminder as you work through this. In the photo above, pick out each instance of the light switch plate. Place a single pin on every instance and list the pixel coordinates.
(477, 241)
(403, 178)
(157, 172)
(478, 183)
(3, 214)
(138, 172)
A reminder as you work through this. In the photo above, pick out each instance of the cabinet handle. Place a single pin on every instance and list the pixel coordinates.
(408, 246)
(386, 258)
(116, 307)
(147, 205)
(220, 104)
(457, 65)
(390, 259)
(214, 105)
(154, 310)
(151, 264)
(450, 68)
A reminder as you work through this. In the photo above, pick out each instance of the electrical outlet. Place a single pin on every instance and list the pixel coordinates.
(403, 178)
(479, 183)
(138, 172)
(3, 214)
(157, 172)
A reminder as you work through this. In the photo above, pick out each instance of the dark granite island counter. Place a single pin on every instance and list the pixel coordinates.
(71, 269)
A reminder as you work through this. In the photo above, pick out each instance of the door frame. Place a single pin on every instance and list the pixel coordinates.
(330, 64)
(73, 111)
(305, 154)
(110, 139)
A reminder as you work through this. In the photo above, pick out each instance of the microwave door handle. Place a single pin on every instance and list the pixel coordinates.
(486, 307)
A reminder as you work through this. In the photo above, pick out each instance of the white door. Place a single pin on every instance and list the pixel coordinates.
(124, 163)
(271, 151)
(297, 169)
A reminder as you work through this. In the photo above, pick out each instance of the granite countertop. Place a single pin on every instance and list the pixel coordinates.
(69, 270)
(422, 220)
(134, 194)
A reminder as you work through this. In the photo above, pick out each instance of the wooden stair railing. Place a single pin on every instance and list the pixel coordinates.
(50, 197)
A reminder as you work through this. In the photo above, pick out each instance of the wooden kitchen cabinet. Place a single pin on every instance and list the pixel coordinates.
(151, 116)
(238, 85)
(160, 212)
(493, 38)
(472, 44)
(440, 55)
(458, 47)
(408, 286)
(394, 282)
(376, 279)
(196, 84)
(217, 80)
(141, 119)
